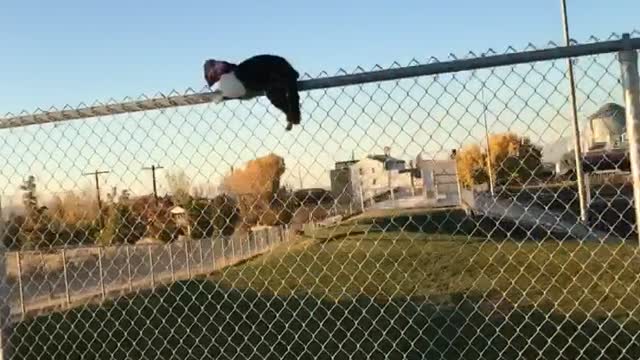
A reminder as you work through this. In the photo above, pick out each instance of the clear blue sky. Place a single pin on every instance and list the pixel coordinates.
(67, 52)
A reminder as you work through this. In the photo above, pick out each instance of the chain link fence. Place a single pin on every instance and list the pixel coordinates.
(46, 280)
(422, 211)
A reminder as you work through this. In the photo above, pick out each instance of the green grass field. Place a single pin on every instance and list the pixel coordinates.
(371, 296)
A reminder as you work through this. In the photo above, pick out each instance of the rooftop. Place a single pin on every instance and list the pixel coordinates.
(384, 158)
(609, 110)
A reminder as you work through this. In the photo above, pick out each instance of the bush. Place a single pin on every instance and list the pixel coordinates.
(160, 225)
(13, 237)
(285, 204)
(514, 160)
(75, 209)
(226, 214)
(210, 216)
(123, 226)
(307, 214)
(256, 211)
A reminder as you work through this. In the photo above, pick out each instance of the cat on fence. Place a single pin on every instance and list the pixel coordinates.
(270, 75)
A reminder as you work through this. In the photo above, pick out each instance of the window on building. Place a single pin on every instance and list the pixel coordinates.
(373, 182)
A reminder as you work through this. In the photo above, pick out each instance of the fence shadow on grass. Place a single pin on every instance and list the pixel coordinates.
(204, 320)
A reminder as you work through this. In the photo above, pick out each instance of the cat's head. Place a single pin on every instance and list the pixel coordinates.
(214, 69)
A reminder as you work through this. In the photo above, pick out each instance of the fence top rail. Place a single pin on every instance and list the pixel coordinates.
(96, 247)
(482, 62)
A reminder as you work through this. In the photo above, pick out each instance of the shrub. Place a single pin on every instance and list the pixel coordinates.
(123, 226)
(514, 159)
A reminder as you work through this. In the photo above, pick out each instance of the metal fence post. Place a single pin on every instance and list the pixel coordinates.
(278, 235)
(5, 307)
(129, 280)
(101, 269)
(173, 273)
(153, 279)
(186, 253)
(587, 189)
(50, 295)
(631, 83)
(201, 256)
(65, 277)
(244, 252)
(20, 287)
(213, 254)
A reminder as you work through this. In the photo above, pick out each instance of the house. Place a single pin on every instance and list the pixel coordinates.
(370, 179)
(180, 217)
(604, 143)
(439, 179)
(605, 129)
(378, 176)
(341, 188)
(341, 182)
(178, 214)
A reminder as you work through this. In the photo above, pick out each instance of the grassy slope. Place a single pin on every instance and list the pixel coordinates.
(388, 265)
(364, 297)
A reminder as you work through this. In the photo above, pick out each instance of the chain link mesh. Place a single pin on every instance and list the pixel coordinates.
(383, 227)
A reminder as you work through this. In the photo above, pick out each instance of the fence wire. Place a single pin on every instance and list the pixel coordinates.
(433, 216)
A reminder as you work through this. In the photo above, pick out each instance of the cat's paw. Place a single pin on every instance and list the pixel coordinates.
(217, 97)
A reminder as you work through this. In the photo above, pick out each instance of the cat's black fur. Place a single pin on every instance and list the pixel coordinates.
(270, 75)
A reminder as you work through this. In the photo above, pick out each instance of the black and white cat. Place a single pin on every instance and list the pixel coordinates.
(270, 75)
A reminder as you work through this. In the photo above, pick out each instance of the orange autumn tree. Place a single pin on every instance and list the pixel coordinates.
(471, 165)
(255, 186)
(514, 160)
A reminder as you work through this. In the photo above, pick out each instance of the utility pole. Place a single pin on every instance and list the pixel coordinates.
(153, 169)
(97, 180)
(486, 133)
(574, 112)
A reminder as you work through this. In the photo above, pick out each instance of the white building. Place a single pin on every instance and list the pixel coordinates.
(605, 129)
(181, 218)
(378, 175)
(363, 181)
(440, 180)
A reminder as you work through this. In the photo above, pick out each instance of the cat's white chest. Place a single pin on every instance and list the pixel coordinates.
(230, 86)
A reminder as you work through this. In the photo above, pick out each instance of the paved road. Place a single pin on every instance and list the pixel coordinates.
(123, 269)
(532, 215)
